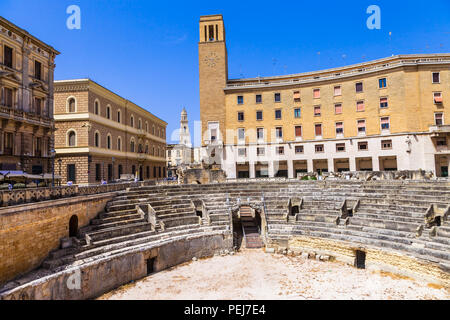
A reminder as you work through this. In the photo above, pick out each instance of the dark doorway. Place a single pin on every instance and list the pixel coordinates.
(120, 170)
(110, 172)
(150, 265)
(360, 259)
(71, 174)
(294, 210)
(141, 174)
(73, 226)
(444, 171)
(438, 221)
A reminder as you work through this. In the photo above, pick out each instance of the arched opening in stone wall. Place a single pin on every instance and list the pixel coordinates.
(295, 210)
(360, 259)
(150, 266)
(73, 226)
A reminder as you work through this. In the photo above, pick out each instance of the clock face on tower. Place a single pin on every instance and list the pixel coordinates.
(211, 59)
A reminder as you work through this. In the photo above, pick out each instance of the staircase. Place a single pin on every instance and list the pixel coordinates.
(250, 229)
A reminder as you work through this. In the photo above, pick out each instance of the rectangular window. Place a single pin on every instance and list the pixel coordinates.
(297, 113)
(383, 102)
(260, 151)
(8, 97)
(340, 147)
(278, 114)
(213, 135)
(318, 129)
(260, 133)
(240, 99)
(441, 142)
(241, 133)
(439, 119)
(361, 126)
(437, 97)
(386, 144)
(277, 97)
(37, 70)
(317, 111)
(359, 87)
(339, 128)
(338, 108)
(258, 98)
(298, 149)
(8, 56)
(98, 172)
(37, 106)
(319, 148)
(71, 174)
(385, 123)
(242, 152)
(279, 132)
(360, 106)
(240, 116)
(436, 77)
(297, 96)
(298, 131)
(363, 146)
(280, 150)
(337, 91)
(382, 83)
(316, 93)
(259, 115)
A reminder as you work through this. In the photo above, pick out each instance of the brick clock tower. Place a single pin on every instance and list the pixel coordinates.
(213, 65)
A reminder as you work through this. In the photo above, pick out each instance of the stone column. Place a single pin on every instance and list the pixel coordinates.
(375, 164)
(51, 70)
(309, 165)
(330, 165)
(26, 94)
(290, 167)
(271, 169)
(252, 170)
(352, 163)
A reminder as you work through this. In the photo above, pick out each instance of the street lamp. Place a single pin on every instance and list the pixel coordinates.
(53, 153)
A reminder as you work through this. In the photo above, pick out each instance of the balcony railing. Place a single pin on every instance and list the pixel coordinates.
(21, 115)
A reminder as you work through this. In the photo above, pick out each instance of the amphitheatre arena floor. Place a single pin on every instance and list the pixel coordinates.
(253, 274)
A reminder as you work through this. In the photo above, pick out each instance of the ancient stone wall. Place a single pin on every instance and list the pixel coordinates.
(29, 232)
(94, 279)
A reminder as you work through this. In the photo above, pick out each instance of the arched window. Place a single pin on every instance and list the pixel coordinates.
(153, 130)
(71, 105)
(132, 121)
(139, 124)
(119, 143)
(72, 138)
(108, 141)
(146, 126)
(118, 116)
(108, 112)
(97, 107)
(132, 145)
(140, 150)
(97, 139)
(146, 148)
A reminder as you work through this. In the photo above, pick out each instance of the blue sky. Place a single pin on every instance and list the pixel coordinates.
(146, 51)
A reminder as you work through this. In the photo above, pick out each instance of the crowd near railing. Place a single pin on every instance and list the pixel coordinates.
(21, 196)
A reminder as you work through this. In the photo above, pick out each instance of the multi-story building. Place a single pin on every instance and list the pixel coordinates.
(26, 115)
(102, 136)
(181, 153)
(387, 114)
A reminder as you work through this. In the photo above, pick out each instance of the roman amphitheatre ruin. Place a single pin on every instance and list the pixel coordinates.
(242, 239)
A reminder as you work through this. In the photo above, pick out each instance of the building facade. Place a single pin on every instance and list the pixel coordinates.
(182, 153)
(26, 87)
(387, 114)
(102, 136)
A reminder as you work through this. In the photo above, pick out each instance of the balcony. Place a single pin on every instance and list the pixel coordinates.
(439, 130)
(20, 115)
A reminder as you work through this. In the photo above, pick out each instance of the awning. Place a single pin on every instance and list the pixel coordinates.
(49, 176)
(438, 99)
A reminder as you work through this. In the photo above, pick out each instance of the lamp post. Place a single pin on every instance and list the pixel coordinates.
(59, 162)
(53, 153)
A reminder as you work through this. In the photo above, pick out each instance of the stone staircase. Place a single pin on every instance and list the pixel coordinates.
(250, 229)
